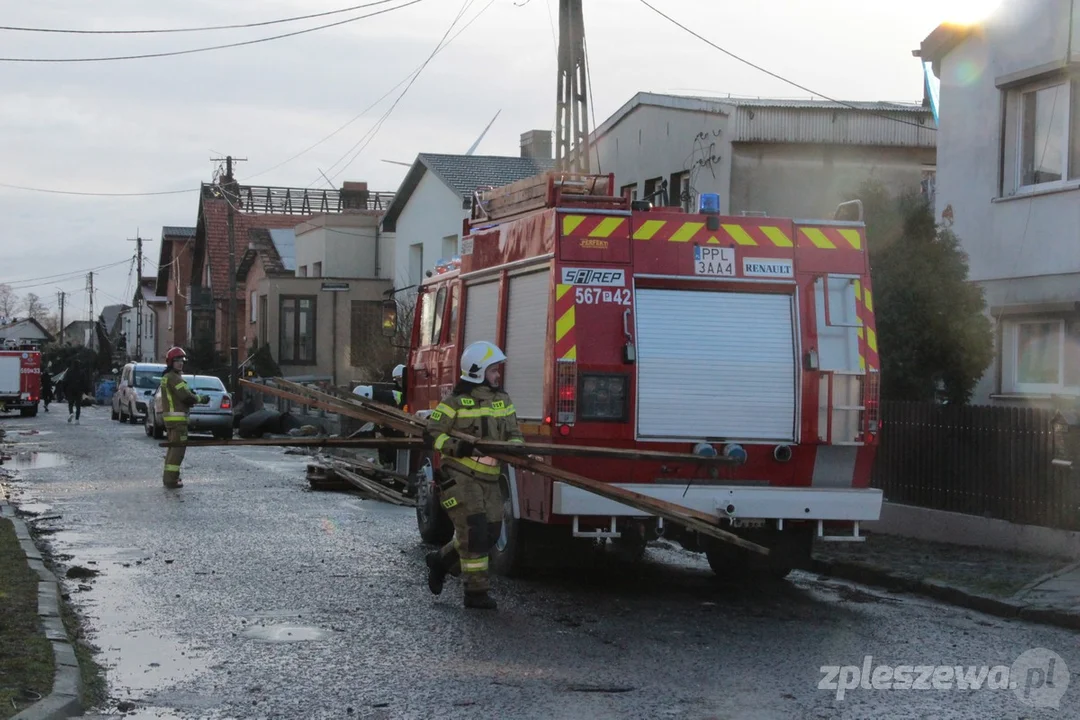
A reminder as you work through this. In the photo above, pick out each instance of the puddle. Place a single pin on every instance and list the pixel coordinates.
(35, 460)
(285, 633)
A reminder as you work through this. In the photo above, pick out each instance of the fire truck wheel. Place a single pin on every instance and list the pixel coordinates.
(434, 525)
(508, 553)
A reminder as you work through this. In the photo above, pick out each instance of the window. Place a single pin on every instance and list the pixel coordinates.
(629, 192)
(416, 263)
(297, 341)
(427, 317)
(652, 188)
(253, 306)
(1046, 121)
(302, 271)
(680, 192)
(929, 184)
(264, 327)
(454, 302)
(449, 246)
(1045, 357)
(437, 325)
(316, 269)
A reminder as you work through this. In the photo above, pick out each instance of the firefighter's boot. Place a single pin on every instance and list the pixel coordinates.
(436, 572)
(480, 601)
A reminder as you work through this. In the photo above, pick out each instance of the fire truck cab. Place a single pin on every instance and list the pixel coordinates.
(634, 327)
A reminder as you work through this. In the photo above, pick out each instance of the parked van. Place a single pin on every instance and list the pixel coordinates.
(138, 383)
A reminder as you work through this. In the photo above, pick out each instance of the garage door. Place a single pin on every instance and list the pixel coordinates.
(526, 337)
(715, 365)
(481, 312)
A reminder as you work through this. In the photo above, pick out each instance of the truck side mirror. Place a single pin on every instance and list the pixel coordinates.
(389, 318)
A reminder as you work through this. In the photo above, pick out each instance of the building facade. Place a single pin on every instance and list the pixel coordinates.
(775, 157)
(1009, 186)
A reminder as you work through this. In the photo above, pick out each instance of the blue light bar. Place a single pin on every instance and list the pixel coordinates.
(710, 204)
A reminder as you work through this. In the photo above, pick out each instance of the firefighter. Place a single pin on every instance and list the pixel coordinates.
(388, 456)
(176, 400)
(469, 484)
(399, 386)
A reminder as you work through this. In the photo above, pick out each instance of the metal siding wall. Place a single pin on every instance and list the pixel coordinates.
(526, 336)
(482, 312)
(715, 365)
(840, 127)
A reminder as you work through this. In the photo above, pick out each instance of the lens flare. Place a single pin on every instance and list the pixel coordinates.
(328, 526)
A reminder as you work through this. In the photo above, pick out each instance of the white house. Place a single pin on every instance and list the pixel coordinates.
(1009, 185)
(154, 310)
(24, 331)
(436, 196)
(786, 158)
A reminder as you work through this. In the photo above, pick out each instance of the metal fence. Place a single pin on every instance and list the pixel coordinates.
(990, 461)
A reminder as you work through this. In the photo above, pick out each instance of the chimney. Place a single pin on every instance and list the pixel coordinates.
(536, 144)
(354, 196)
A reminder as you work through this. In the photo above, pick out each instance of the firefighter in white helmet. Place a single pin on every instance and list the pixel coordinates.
(469, 486)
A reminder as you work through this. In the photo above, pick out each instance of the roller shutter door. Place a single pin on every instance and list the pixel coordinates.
(714, 365)
(481, 313)
(526, 339)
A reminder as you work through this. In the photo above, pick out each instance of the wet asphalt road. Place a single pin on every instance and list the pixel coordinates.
(245, 595)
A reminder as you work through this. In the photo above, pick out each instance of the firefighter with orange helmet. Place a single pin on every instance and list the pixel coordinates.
(469, 487)
(177, 399)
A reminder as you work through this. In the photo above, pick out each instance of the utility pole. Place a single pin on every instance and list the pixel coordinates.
(572, 108)
(93, 322)
(232, 197)
(60, 296)
(138, 296)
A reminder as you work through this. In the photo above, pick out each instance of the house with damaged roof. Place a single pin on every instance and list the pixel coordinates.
(307, 283)
(436, 196)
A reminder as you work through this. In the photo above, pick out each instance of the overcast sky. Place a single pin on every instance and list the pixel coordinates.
(153, 124)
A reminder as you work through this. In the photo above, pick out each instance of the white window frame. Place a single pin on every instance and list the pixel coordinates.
(252, 298)
(1022, 99)
(1023, 388)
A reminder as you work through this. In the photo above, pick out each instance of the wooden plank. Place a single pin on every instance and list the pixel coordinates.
(373, 487)
(362, 409)
(355, 443)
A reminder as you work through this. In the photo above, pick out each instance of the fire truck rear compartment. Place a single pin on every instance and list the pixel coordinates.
(715, 365)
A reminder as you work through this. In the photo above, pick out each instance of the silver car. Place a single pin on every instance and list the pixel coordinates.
(215, 417)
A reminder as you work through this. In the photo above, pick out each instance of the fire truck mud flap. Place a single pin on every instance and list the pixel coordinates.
(735, 502)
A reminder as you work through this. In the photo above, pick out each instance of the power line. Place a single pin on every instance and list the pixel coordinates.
(211, 47)
(369, 108)
(378, 125)
(96, 194)
(781, 78)
(53, 278)
(295, 18)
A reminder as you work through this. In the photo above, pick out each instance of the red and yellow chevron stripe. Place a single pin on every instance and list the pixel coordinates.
(696, 232)
(565, 323)
(601, 227)
(831, 238)
(864, 308)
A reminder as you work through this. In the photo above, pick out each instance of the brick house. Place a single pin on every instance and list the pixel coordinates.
(174, 282)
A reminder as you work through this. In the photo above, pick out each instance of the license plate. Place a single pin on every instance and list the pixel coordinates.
(717, 261)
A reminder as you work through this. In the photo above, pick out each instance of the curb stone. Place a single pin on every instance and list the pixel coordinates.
(868, 574)
(63, 701)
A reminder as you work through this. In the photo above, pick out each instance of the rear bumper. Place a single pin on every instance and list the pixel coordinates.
(731, 501)
(210, 422)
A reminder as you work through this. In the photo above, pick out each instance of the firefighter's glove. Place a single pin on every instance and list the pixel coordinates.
(464, 449)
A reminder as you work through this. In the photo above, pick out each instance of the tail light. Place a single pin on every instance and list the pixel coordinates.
(566, 392)
(226, 402)
(872, 401)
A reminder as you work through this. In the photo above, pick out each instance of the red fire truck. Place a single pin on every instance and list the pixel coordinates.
(20, 381)
(628, 326)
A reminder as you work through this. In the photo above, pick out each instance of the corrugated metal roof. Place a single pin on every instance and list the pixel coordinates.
(810, 104)
(811, 122)
(285, 242)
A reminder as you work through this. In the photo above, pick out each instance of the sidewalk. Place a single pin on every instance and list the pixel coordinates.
(1007, 584)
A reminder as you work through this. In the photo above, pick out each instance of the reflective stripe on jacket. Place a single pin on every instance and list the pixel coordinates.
(176, 398)
(483, 413)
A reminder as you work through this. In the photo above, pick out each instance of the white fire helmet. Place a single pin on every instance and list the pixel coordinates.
(477, 358)
(363, 391)
(399, 372)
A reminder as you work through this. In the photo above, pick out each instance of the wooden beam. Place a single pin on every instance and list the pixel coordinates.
(362, 409)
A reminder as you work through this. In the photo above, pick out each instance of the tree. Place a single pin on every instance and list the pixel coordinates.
(933, 332)
(34, 308)
(9, 301)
